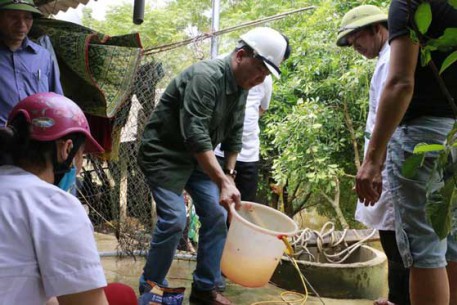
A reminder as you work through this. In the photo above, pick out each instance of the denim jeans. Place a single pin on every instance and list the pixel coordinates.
(417, 242)
(171, 214)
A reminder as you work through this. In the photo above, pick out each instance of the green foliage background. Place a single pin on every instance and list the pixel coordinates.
(312, 135)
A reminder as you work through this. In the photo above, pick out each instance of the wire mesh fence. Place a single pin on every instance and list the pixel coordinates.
(114, 190)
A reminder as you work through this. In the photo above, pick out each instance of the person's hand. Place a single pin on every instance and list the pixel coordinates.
(369, 183)
(230, 195)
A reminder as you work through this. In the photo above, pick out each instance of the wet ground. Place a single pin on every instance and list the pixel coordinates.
(127, 270)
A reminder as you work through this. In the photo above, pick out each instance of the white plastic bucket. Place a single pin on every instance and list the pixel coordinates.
(254, 247)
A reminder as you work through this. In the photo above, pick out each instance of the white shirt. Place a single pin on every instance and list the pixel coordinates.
(380, 216)
(259, 96)
(47, 247)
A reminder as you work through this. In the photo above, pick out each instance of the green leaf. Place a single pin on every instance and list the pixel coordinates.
(443, 160)
(453, 3)
(411, 165)
(310, 175)
(438, 208)
(430, 48)
(448, 61)
(426, 56)
(413, 36)
(423, 148)
(451, 134)
(423, 17)
(445, 42)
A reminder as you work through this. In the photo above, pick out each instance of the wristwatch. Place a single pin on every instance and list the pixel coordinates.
(230, 172)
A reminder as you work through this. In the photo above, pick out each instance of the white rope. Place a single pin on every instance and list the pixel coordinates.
(301, 241)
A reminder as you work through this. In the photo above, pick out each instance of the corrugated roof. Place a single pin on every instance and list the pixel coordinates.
(49, 7)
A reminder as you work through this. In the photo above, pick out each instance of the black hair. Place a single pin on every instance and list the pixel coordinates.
(371, 27)
(244, 46)
(384, 24)
(16, 146)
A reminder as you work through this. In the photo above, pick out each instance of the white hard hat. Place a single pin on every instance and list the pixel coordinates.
(269, 45)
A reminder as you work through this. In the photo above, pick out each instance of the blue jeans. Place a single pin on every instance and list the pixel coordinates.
(171, 214)
(417, 242)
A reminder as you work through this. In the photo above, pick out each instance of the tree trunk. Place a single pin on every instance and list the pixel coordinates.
(335, 203)
(348, 120)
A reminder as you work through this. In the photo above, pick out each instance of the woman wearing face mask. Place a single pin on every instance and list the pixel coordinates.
(47, 246)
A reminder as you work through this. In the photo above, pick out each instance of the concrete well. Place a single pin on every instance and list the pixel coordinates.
(361, 276)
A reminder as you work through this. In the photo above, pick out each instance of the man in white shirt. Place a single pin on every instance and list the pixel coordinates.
(365, 29)
(247, 161)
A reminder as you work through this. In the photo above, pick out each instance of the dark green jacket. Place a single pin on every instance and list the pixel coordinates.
(202, 107)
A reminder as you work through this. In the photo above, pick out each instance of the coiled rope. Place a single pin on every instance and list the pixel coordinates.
(327, 232)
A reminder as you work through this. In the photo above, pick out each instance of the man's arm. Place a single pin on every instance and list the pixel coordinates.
(230, 159)
(394, 102)
(54, 77)
(93, 297)
(49, 58)
(228, 192)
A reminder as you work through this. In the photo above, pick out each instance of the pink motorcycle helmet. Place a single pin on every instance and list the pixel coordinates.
(53, 116)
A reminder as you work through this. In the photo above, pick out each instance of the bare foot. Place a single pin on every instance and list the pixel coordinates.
(382, 301)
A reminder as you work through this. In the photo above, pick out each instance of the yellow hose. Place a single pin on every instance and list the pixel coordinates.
(290, 297)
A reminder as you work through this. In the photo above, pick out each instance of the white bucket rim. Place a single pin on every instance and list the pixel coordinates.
(260, 229)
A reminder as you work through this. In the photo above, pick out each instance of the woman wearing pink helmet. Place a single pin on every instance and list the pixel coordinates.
(47, 246)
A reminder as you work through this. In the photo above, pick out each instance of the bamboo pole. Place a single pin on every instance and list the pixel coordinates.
(174, 45)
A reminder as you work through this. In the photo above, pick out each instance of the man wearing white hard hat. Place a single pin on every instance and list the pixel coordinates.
(365, 29)
(247, 161)
(202, 107)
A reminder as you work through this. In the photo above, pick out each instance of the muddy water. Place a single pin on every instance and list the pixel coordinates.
(127, 270)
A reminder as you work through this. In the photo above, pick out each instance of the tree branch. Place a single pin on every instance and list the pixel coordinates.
(348, 120)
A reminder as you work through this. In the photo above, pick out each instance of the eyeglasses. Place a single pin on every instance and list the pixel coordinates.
(264, 62)
(259, 63)
(354, 36)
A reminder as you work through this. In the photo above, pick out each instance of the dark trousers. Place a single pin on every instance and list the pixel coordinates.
(398, 275)
(247, 178)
